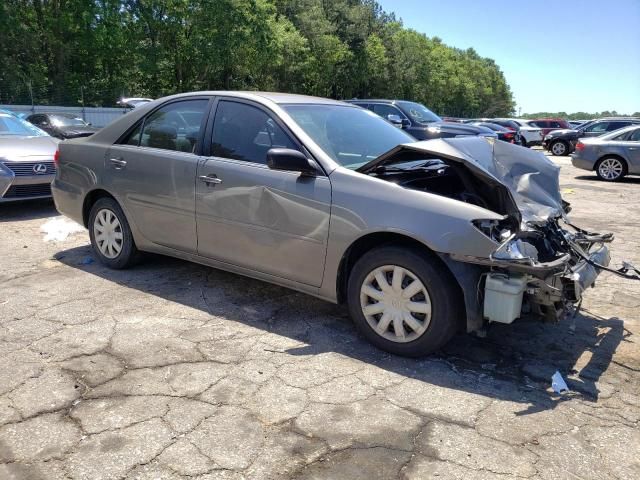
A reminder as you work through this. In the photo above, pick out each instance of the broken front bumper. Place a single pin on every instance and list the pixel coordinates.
(515, 283)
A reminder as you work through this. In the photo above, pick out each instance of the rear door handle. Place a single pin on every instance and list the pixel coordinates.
(210, 179)
(118, 162)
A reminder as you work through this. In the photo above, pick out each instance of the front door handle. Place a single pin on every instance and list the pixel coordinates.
(210, 179)
(118, 162)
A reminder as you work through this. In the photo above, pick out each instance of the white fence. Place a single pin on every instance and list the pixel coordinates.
(98, 117)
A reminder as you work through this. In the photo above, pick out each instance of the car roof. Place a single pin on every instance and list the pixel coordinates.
(632, 119)
(375, 100)
(275, 97)
(60, 114)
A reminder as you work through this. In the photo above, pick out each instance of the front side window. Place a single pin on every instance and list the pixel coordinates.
(385, 110)
(244, 132)
(350, 136)
(599, 127)
(175, 126)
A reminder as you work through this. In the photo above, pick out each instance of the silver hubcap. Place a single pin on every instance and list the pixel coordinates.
(610, 168)
(558, 148)
(395, 303)
(107, 232)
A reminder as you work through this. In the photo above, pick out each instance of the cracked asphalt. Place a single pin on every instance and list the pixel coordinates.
(173, 370)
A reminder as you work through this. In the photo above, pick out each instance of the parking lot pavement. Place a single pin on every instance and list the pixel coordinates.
(174, 370)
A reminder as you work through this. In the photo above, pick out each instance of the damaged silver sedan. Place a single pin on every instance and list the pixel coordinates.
(419, 240)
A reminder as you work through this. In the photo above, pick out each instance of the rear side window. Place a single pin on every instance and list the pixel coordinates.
(635, 136)
(616, 125)
(175, 126)
(244, 132)
(134, 137)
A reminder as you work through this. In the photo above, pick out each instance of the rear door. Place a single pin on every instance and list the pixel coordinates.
(153, 171)
(632, 149)
(248, 215)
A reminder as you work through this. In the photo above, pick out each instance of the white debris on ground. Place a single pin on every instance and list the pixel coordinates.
(59, 228)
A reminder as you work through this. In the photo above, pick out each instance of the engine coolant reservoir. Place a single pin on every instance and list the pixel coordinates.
(503, 297)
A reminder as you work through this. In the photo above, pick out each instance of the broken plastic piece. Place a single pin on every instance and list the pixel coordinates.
(86, 261)
(558, 384)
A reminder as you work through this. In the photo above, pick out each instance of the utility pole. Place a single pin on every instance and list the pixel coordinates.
(82, 101)
(33, 108)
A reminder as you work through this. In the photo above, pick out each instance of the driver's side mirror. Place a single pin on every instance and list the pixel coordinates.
(290, 160)
(398, 121)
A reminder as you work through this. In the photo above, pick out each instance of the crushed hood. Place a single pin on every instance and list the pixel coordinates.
(521, 177)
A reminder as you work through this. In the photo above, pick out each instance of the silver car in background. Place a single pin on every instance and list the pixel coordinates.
(26, 160)
(419, 239)
(611, 156)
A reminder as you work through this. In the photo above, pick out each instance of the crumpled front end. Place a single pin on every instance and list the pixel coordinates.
(541, 264)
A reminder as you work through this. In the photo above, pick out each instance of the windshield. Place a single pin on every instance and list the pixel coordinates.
(418, 113)
(351, 136)
(67, 121)
(10, 125)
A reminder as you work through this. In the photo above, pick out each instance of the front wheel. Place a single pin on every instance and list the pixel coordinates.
(110, 235)
(403, 301)
(559, 148)
(611, 169)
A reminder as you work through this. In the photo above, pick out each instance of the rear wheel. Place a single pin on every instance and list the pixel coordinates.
(403, 301)
(611, 169)
(110, 235)
(559, 148)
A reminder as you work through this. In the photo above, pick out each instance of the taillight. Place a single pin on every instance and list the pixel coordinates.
(580, 146)
(56, 158)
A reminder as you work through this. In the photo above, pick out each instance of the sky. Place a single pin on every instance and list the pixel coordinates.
(557, 55)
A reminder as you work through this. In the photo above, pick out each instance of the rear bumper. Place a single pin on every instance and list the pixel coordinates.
(68, 200)
(581, 163)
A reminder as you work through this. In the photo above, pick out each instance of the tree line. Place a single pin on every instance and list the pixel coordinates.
(94, 51)
(578, 115)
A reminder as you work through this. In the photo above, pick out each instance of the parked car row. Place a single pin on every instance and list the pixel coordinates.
(418, 121)
(612, 155)
(563, 142)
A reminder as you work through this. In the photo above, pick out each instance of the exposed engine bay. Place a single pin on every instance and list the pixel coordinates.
(542, 264)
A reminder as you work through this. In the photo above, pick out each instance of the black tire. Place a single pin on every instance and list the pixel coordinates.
(559, 148)
(444, 296)
(523, 141)
(611, 175)
(128, 254)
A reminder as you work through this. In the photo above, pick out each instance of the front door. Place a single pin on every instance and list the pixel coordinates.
(153, 172)
(250, 216)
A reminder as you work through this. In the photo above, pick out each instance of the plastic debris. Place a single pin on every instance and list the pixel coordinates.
(59, 228)
(86, 261)
(558, 384)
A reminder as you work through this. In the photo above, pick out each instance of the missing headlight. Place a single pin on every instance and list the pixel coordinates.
(497, 230)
